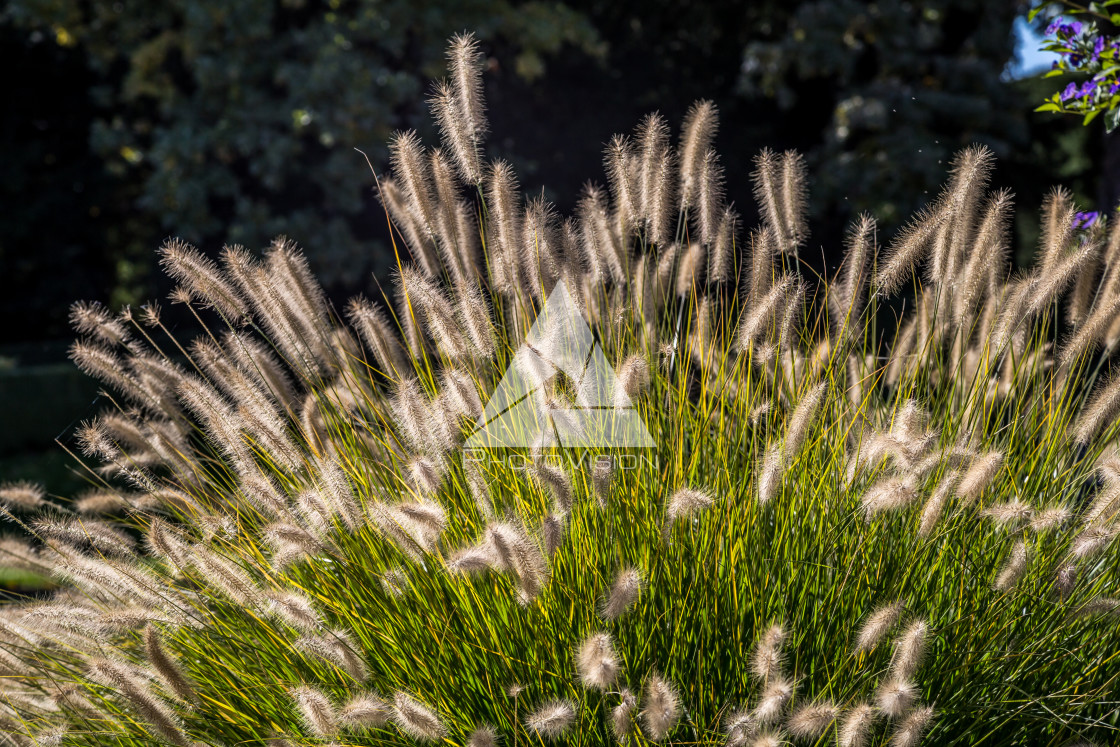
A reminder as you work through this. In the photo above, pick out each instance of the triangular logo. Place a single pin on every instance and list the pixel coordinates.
(595, 413)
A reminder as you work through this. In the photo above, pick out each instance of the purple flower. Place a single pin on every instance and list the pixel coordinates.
(1085, 220)
(1054, 25)
(1087, 89)
(1098, 47)
(1114, 87)
(1075, 27)
(1069, 92)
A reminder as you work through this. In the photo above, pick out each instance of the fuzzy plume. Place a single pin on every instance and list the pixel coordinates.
(1057, 232)
(773, 700)
(504, 231)
(979, 475)
(810, 721)
(739, 726)
(878, 625)
(654, 170)
(801, 421)
(318, 712)
(848, 296)
(910, 650)
(623, 715)
(167, 668)
(134, 691)
(365, 712)
(721, 258)
(21, 496)
(437, 312)
(552, 719)
(762, 313)
(1099, 412)
(685, 503)
(93, 319)
(474, 317)
(895, 697)
(519, 555)
(483, 736)
(1014, 568)
(887, 495)
(597, 662)
(909, 732)
(855, 726)
(416, 719)
(779, 188)
(378, 336)
(766, 662)
(661, 708)
(623, 593)
(619, 159)
(697, 133)
(296, 610)
(202, 277)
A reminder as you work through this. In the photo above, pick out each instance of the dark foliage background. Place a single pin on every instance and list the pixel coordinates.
(126, 122)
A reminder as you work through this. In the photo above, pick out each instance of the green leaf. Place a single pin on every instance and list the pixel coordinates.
(1090, 117)
(1049, 106)
(1112, 119)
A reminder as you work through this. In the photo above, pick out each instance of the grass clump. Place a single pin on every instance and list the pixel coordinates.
(840, 532)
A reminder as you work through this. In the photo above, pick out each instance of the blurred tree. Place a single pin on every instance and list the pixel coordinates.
(237, 122)
(905, 85)
(234, 122)
(879, 95)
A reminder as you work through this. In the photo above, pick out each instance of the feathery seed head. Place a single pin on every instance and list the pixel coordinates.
(979, 475)
(878, 624)
(910, 650)
(770, 473)
(623, 593)
(317, 710)
(739, 726)
(201, 277)
(597, 662)
(296, 610)
(697, 133)
(909, 732)
(685, 503)
(895, 697)
(483, 736)
(772, 703)
(365, 711)
(661, 708)
(802, 420)
(622, 716)
(169, 670)
(1050, 518)
(93, 319)
(22, 496)
(416, 719)
(810, 721)
(131, 686)
(856, 726)
(888, 494)
(766, 662)
(466, 63)
(1011, 514)
(552, 719)
(721, 259)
